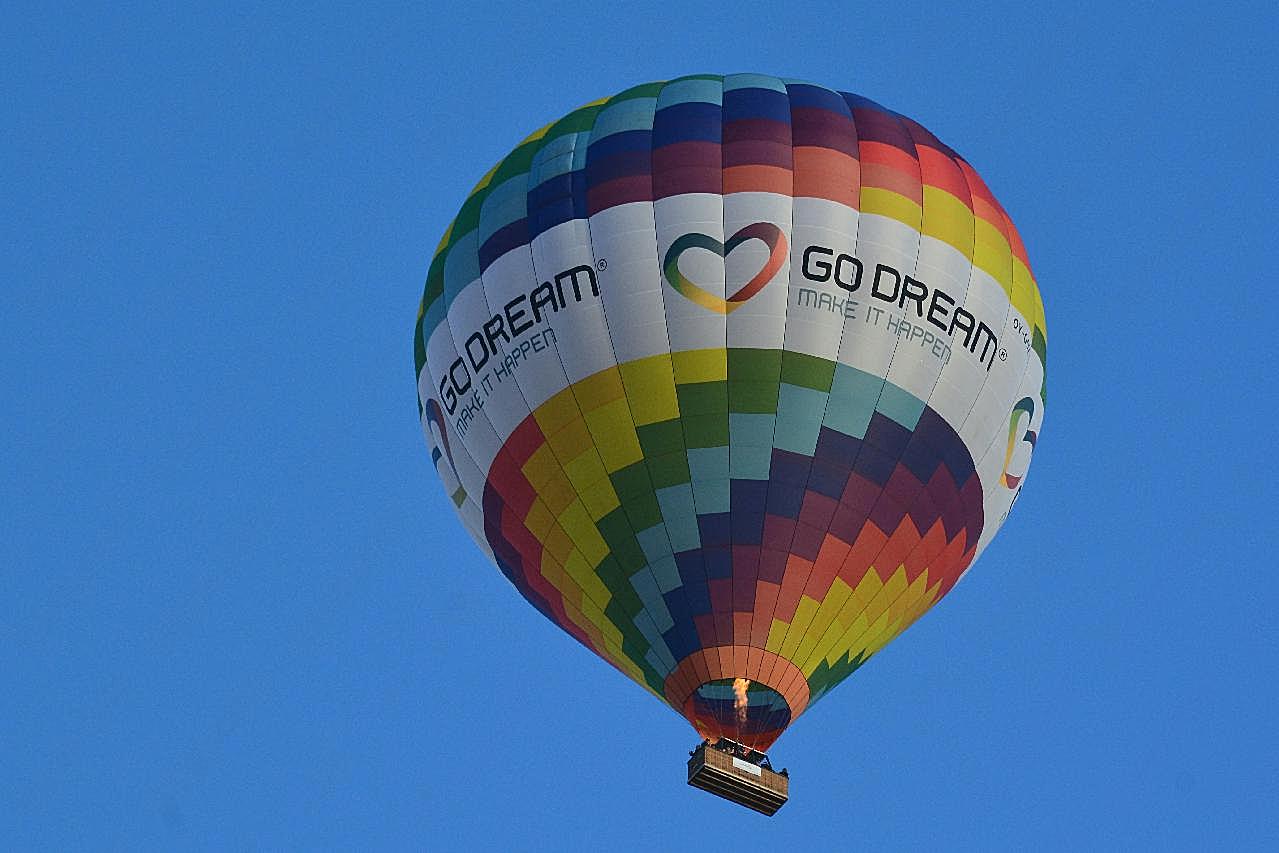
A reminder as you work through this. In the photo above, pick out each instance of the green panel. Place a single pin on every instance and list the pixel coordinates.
(706, 430)
(669, 469)
(468, 218)
(419, 351)
(826, 676)
(643, 510)
(615, 528)
(434, 280)
(660, 438)
(754, 363)
(575, 122)
(517, 162)
(807, 371)
(702, 398)
(759, 397)
(629, 555)
(631, 482)
(644, 90)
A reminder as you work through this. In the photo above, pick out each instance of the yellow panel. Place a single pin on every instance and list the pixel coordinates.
(578, 618)
(799, 626)
(586, 469)
(700, 365)
(583, 573)
(776, 634)
(891, 204)
(488, 176)
(537, 134)
(882, 633)
(553, 571)
(608, 631)
(867, 588)
(913, 593)
(557, 412)
(558, 493)
(918, 606)
(831, 605)
(865, 640)
(1025, 293)
(922, 606)
(614, 435)
(600, 388)
(650, 389)
(558, 544)
(541, 468)
(569, 441)
(579, 524)
(539, 520)
(576, 521)
(993, 255)
(600, 499)
(1039, 321)
(948, 219)
(832, 651)
(879, 604)
(903, 609)
(444, 241)
(631, 670)
(851, 617)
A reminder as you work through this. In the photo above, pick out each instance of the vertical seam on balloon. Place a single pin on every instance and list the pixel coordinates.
(782, 355)
(915, 434)
(630, 413)
(720, 642)
(642, 664)
(571, 387)
(728, 403)
(998, 433)
(834, 361)
(754, 580)
(473, 497)
(691, 627)
(545, 557)
(462, 444)
(988, 489)
(603, 650)
(448, 323)
(766, 676)
(700, 556)
(887, 371)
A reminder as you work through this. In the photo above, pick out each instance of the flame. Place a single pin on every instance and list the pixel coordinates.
(739, 698)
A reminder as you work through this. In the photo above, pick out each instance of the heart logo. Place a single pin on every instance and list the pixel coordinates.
(1026, 406)
(766, 232)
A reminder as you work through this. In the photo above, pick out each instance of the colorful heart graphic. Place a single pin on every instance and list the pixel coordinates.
(766, 232)
(1026, 406)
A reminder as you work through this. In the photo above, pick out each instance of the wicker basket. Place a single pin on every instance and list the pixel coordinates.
(739, 774)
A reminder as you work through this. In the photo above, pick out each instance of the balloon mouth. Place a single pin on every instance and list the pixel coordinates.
(751, 713)
(699, 684)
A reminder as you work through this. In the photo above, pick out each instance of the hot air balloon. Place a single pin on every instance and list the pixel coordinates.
(733, 377)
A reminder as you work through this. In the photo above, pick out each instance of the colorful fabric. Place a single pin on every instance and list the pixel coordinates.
(733, 378)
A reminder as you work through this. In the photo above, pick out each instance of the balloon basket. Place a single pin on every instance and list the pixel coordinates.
(740, 774)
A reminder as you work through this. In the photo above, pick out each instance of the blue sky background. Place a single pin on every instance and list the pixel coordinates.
(236, 611)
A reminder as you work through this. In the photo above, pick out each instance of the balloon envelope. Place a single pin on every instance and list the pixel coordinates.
(733, 378)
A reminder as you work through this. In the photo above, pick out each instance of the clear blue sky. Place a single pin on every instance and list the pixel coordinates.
(236, 611)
